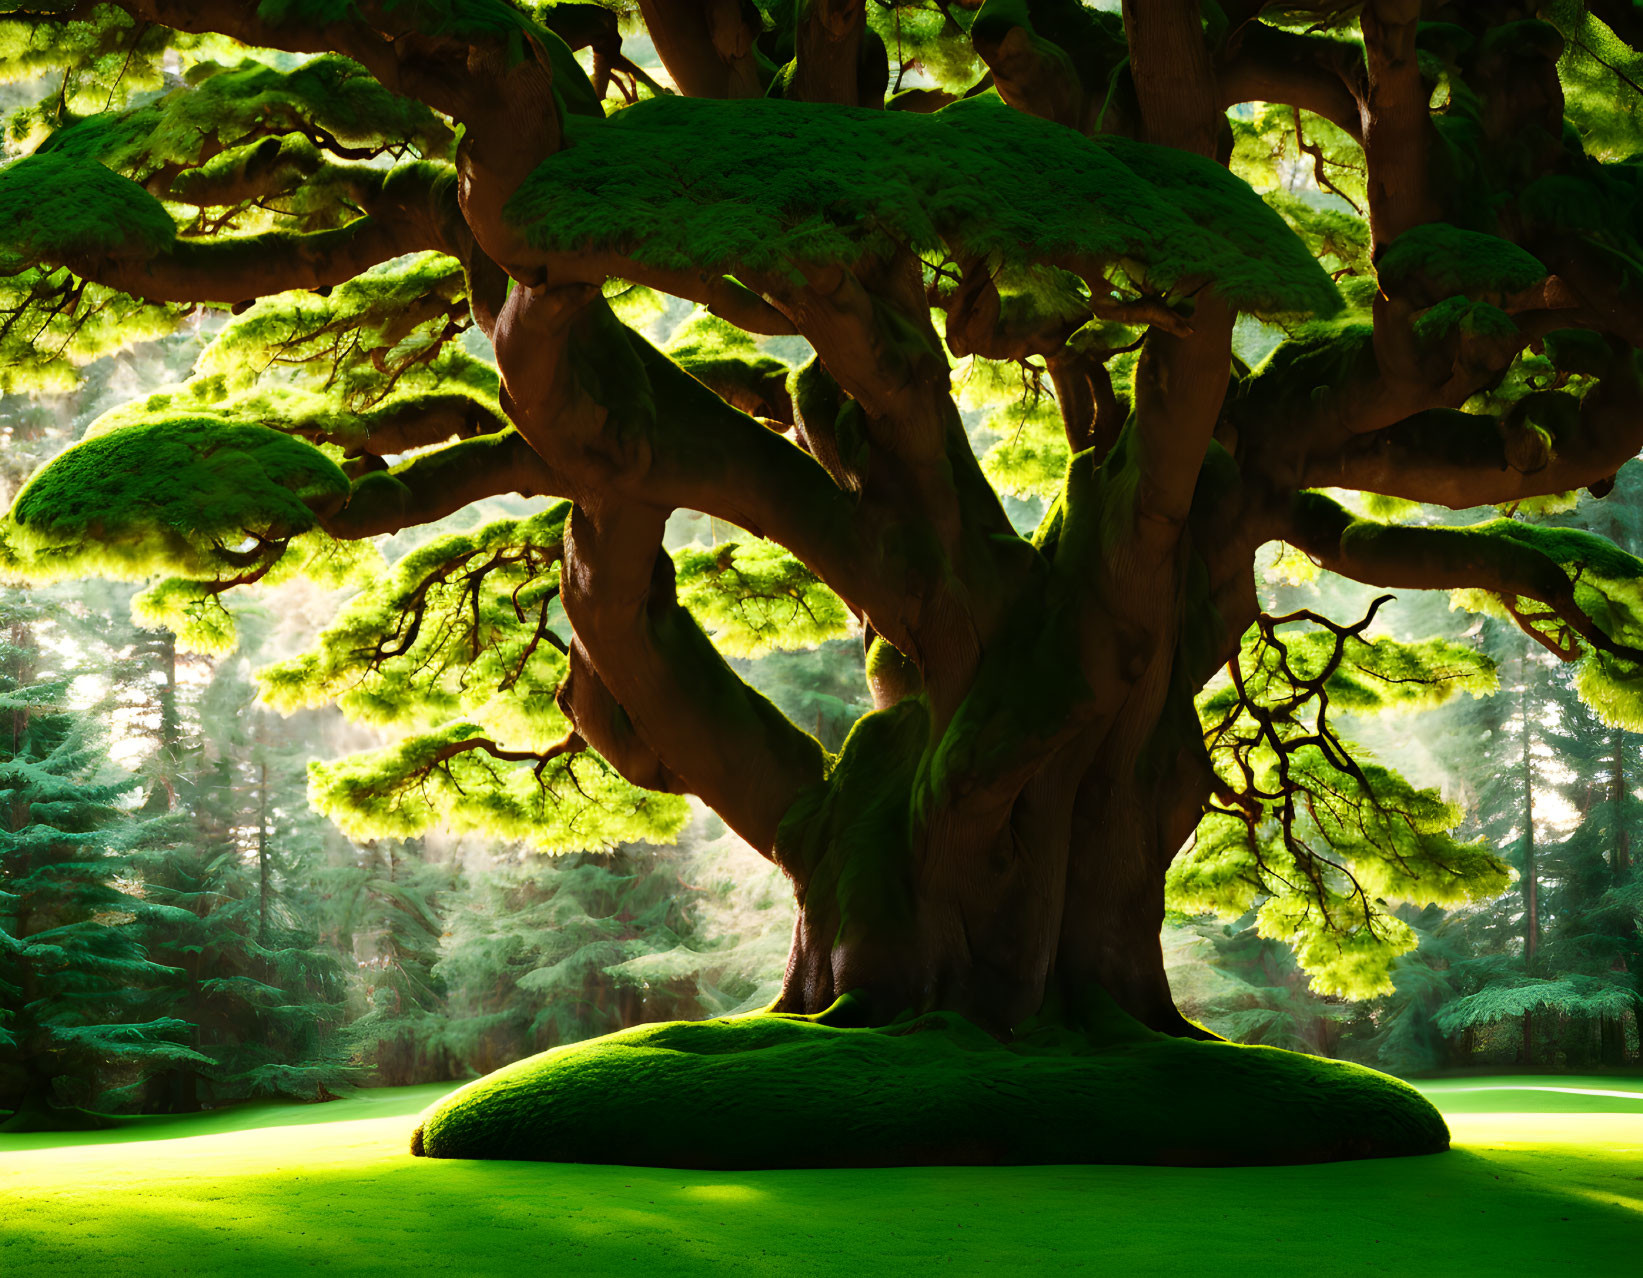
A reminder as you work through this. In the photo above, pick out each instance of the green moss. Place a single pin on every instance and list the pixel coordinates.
(1459, 315)
(1029, 686)
(931, 1090)
(854, 832)
(1441, 261)
(225, 106)
(757, 185)
(56, 207)
(190, 494)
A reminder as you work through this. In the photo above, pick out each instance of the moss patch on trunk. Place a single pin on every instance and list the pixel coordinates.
(770, 1091)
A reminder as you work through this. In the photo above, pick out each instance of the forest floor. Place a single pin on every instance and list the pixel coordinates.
(1546, 1176)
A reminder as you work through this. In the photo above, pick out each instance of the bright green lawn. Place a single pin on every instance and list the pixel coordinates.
(1540, 1181)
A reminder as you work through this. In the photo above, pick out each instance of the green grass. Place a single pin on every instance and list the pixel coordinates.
(1539, 1181)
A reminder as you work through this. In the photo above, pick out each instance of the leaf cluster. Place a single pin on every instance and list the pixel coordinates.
(1306, 831)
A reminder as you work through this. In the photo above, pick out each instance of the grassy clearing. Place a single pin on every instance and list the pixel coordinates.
(1537, 1177)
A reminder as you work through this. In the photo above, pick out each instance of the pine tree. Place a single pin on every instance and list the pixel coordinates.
(1249, 989)
(1591, 941)
(393, 925)
(76, 984)
(532, 943)
(262, 996)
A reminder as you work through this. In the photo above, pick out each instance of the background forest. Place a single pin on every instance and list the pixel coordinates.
(202, 935)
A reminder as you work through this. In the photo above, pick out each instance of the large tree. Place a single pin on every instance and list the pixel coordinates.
(1453, 293)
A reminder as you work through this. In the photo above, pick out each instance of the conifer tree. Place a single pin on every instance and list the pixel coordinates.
(1553, 956)
(76, 983)
(262, 997)
(393, 925)
(531, 950)
(1591, 940)
(1081, 205)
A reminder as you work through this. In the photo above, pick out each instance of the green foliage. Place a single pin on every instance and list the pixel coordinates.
(431, 779)
(414, 649)
(1029, 457)
(1311, 834)
(224, 107)
(1464, 317)
(457, 647)
(718, 352)
(755, 598)
(408, 416)
(1608, 587)
(760, 185)
(929, 40)
(1320, 191)
(1583, 996)
(261, 996)
(99, 51)
(387, 331)
(1248, 988)
(76, 983)
(397, 900)
(56, 323)
(1600, 74)
(824, 689)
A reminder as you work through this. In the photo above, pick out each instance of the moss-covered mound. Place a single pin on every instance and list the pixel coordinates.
(776, 1091)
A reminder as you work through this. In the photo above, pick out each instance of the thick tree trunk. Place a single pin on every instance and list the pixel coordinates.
(1054, 910)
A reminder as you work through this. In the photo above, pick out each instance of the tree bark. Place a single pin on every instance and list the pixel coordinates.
(1053, 906)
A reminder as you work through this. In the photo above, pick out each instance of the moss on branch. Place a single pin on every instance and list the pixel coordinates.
(191, 494)
(57, 208)
(329, 101)
(1435, 261)
(760, 185)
